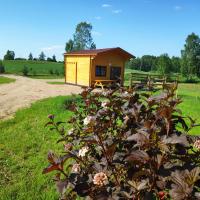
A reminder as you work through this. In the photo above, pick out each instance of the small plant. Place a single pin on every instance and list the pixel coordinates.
(124, 145)
(51, 71)
(2, 68)
(25, 70)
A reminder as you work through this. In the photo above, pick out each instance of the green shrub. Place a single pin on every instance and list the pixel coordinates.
(2, 68)
(125, 145)
(25, 70)
(51, 71)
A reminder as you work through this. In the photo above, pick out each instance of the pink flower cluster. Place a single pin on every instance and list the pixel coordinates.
(100, 179)
(197, 144)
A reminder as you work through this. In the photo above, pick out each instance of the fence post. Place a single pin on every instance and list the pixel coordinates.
(130, 82)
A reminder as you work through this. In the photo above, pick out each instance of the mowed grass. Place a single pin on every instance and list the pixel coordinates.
(24, 145)
(56, 83)
(4, 80)
(38, 69)
(190, 94)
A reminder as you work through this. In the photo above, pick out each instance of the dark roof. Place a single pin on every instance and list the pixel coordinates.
(95, 52)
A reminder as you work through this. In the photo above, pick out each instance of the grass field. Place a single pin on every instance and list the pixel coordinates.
(25, 142)
(4, 80)
(23, 151)
(37, 69)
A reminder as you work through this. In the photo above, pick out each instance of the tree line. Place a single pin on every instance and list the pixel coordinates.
(10, 55)
(163, 63)
(188, 64)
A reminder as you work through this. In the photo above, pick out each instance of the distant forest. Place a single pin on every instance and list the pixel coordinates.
(188, 64)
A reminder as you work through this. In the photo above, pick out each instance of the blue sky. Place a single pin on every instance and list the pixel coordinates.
(139, 26)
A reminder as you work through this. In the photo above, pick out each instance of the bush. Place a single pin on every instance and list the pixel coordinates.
(125, 145)
(25, 70)
(2, 68)
(51, 71)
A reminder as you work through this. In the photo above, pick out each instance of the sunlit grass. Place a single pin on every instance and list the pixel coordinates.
(4, 80)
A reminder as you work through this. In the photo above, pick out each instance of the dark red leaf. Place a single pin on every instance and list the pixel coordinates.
(138, 155)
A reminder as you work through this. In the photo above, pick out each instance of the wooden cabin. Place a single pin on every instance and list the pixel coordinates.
(90, 67)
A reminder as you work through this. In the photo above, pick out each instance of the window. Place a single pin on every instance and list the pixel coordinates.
(100, 70)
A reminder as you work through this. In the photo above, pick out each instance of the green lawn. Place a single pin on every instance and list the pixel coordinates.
(25, 142)
(190, 94)
(4, 80)
(36, 68)
(24, 145)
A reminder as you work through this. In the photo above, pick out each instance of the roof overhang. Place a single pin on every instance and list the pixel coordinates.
(96, 52)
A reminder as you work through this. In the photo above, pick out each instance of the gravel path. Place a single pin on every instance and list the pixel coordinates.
(25, 91)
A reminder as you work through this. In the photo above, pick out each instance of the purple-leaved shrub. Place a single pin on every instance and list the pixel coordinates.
(127, 145)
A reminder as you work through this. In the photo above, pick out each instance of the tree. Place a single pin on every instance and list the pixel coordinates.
(191, 56)
(49, 59)
(69, 46)
(147, 63)
(2, 68)
(25, 70)
(134, 63)
(176, 64)
(30, 57)
(10, 55)
(82, 38)
(54, 58)
(164, 64)
(93, 46)
(42, 56)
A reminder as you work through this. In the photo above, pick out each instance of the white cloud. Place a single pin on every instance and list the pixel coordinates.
(178, 8)
(52, 48)
(96, 33)
(106, 5)
(116, 11)
(98, 17)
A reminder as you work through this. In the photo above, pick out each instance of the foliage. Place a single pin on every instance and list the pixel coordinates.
(2, 68)
(191, 56)
(53, 59)
(134, 64)
(51, 71)
(42, 56)
(30, 56)
(176, 64)
(10, 55)
(126, 145)
(20, 58)
(69, 46)
(164, 64)
(25, 71)
(82, 38)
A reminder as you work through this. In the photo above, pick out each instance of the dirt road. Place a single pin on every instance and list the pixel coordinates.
(25, 91)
